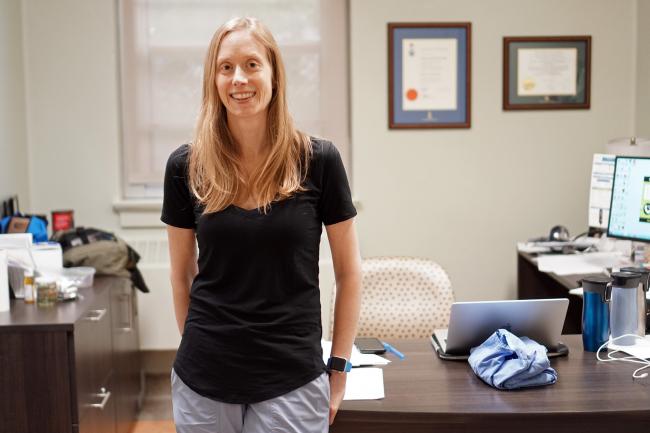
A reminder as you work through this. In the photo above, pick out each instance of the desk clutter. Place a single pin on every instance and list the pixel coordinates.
(35, 272)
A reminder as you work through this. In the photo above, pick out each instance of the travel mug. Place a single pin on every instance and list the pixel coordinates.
(623, 300)
(642, 305)
(595, 312)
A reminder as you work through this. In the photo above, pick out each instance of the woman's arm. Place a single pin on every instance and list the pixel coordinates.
(184, 267)
(347, 269)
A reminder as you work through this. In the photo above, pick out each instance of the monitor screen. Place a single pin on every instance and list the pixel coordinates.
(629, 216)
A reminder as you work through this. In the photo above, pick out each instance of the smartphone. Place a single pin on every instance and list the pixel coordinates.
(369, 345)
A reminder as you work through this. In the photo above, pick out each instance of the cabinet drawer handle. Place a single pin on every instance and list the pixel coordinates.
(105, 395)
(129, 299)
(99, 314)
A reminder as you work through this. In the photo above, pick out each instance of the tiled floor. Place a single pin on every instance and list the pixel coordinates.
(156, 413)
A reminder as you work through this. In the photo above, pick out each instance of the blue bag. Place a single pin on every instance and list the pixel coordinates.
(18, 223)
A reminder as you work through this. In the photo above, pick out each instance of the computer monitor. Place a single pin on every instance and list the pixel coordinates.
(629, 216)
(600, 192)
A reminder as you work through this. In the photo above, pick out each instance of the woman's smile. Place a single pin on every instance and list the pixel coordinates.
(242, 96)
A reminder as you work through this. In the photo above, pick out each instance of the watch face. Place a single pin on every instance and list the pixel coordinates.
(337, 364)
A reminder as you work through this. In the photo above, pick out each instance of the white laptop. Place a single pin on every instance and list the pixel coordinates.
(471, 323)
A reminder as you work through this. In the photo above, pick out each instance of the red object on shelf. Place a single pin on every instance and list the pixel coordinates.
(62, 220)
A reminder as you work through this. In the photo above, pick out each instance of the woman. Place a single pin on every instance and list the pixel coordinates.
(254, 192)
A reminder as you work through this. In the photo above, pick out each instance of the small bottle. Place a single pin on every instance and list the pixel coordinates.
(28, 286)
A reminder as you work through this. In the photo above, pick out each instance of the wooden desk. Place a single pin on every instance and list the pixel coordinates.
(426, 394)
(533, 284)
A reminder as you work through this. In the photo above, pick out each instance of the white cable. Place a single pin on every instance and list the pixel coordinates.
(634, 359)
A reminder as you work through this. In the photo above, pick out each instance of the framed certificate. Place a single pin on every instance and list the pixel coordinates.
(429, 79)
(546, 73)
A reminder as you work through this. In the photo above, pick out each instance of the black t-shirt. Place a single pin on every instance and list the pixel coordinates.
(253, 327)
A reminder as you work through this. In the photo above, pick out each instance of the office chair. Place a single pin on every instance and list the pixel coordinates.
(401, 297)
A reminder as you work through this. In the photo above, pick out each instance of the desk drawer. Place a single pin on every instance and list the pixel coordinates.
(98, 415)
(93, 351)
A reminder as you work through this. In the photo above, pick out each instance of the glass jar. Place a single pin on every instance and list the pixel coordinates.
(46, 291)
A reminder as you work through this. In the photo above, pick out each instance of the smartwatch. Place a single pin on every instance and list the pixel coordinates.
(336, 363)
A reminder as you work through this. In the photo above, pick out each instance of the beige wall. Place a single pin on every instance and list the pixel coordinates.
(72, 107)
(461, 197)
(643, 70)
(465, 197)
(13, 139)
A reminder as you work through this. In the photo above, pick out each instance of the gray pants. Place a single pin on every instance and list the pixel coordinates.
(302, 410)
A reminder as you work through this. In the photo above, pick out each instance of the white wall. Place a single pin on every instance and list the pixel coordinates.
(13, 140)
(461, 197)
(643, 70)
(464, 197)
(72, 107)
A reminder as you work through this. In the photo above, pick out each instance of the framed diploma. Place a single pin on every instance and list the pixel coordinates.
(429, 79)
(546, 73)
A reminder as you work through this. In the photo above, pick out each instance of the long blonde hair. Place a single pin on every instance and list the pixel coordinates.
(215, 175)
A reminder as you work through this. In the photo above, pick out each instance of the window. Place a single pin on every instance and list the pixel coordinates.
(163, 44)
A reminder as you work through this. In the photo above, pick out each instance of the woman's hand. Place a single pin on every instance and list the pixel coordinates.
(337, 390)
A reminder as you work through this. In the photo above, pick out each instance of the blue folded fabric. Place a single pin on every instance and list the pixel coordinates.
(506, 361)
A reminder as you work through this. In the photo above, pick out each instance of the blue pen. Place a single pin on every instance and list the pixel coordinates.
(394, 351)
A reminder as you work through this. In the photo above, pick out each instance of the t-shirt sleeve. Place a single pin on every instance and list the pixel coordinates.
(178, 206)
(336, 199)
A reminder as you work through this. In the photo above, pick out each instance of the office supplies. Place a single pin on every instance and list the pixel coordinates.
(364, 384)
(629, 216)
(15, 241)
(471, 323)
(369, 345)
(394, 351)
(48, 257)
(545, 246)
(583, 263)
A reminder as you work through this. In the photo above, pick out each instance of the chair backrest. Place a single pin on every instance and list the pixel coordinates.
(401, 297)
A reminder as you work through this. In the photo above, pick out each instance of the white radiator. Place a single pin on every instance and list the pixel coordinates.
(158, 330)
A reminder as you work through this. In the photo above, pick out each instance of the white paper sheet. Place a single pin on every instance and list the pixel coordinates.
(364, 384)
(589, 263)
(547, 71)
(429, 74)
